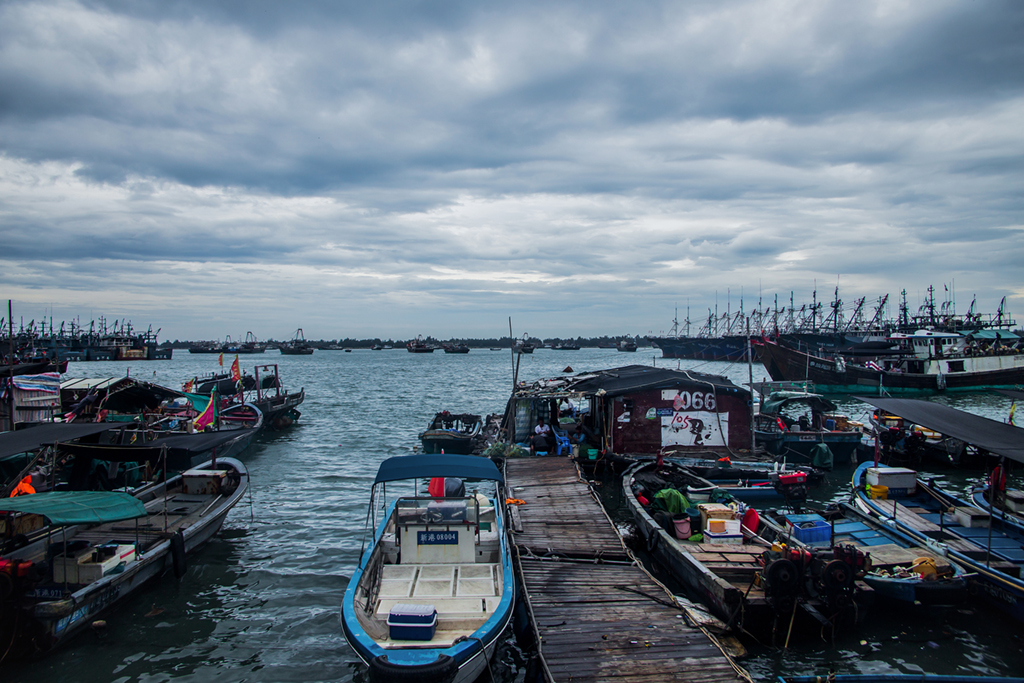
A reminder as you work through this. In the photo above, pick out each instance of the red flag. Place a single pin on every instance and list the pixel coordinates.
(220, 360)
(236, 374)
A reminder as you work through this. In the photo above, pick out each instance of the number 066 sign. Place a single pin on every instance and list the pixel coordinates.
(686, 400)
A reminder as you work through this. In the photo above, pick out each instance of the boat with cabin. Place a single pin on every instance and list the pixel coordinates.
(434, 589)
(458, 433)
(803, 427)
(298, 346)
(417, 345)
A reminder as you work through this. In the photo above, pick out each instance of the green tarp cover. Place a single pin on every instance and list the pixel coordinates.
(672, 500)
(777, 400)
(63, 508)
(198, 401)
(993, 334)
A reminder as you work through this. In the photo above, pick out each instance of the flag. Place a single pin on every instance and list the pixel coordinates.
(220, 360)
(235, 372)
(1013, 409)
(208, 415)
(189, 384)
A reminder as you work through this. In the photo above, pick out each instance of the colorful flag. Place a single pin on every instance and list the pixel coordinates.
(208, 415)
(236, 374)
(189, 384)
(1013, 409)
(220, 360)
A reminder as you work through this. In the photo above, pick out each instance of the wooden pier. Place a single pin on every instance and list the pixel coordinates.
(597, 616)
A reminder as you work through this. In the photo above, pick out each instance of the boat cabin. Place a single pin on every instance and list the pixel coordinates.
(636, 410)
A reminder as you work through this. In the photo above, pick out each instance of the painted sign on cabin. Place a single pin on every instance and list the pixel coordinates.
(694, 420)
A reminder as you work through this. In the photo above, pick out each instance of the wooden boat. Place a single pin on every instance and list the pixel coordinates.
(898, 678)
(455, 348)
(459, 434)
(442, 562)
(417, 345)
(792, 425)
(101, 547)
(899, 568)
(745, 577)
(988, 546)
(751, 472)
(297, 346)
(264, 389)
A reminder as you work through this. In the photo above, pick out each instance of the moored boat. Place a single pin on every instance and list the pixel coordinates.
(985, 545)
(298, 346)
(417, 345)
(102, 547)
(434, 589)
(802, 427)
(452, 433)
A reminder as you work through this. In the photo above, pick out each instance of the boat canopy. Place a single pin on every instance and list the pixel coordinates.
(995, 437)
(177, 444)
(778, 400)
(993, 334)
(63, 508)
(25, 440)
(427, 466)
(634, 378)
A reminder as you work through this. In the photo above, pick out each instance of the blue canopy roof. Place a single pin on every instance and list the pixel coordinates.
(77, 507)
(426, 466)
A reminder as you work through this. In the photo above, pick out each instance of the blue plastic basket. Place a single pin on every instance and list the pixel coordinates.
(814, 531)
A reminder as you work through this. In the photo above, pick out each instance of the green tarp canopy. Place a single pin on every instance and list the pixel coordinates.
(778, 400)
(993, 334)
(64, 508)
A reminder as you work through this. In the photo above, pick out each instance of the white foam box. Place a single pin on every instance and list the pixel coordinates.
(972, 517)
(1015, 500)
(899, 480)
(203, 482)
(727, 538)
(730, 526)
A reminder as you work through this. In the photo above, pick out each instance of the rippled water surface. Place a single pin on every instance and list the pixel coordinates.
(261, 602)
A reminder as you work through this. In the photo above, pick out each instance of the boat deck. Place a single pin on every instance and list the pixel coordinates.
(596, 615)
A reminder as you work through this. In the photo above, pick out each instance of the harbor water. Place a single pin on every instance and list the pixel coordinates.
(261, 602)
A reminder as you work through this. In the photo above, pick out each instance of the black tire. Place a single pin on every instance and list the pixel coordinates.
(442, 670)
(178, 555)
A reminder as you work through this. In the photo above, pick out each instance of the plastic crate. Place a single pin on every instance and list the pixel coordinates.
(813, 531)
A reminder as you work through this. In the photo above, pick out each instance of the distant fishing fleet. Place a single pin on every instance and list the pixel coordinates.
(935, 349)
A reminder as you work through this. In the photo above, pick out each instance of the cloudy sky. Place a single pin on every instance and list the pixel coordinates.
(361, 169)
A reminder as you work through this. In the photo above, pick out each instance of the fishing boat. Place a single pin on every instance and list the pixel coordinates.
(802, 427)
(626, 345)
(298, 346)
(455, 348)
(417, 345)
(101, 547)
(899, 568)
(434, 588)
(722, 552)
(982, 543)
(263, 389)
(924, 362)
(452, 433)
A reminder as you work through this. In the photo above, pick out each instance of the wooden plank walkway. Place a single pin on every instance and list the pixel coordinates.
(597, 617)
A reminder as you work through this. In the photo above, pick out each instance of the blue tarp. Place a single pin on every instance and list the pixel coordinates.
(427, 466)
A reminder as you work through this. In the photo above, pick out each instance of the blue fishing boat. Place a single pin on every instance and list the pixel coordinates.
(434, 588)
(987, 546)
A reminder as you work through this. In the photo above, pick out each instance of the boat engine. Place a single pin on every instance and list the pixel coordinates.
(782, 576)
(792, 486)
(831, 579)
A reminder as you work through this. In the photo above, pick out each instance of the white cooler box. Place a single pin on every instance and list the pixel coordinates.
(899, 480)
(203, 482)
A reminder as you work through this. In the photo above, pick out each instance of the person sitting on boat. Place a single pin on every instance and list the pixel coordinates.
(544, 430)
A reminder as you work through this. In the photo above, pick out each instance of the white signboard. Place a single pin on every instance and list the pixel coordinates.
(693, 421)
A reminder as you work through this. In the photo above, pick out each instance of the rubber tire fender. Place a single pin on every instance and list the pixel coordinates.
(652, 539)
(178, 559)
(441, 670)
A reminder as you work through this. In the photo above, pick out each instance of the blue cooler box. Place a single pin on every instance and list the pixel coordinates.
(412, 622)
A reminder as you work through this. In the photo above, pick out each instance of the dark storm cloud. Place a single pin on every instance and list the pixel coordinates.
(480, 156)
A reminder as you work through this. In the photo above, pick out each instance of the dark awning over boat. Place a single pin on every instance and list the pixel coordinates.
(77, 507)
(1015, 394)
(25, 440)
(634, 378)
(179, 444)
(994, 437)
(426, 466)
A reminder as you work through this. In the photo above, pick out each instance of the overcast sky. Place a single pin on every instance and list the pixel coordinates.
(361, 169)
